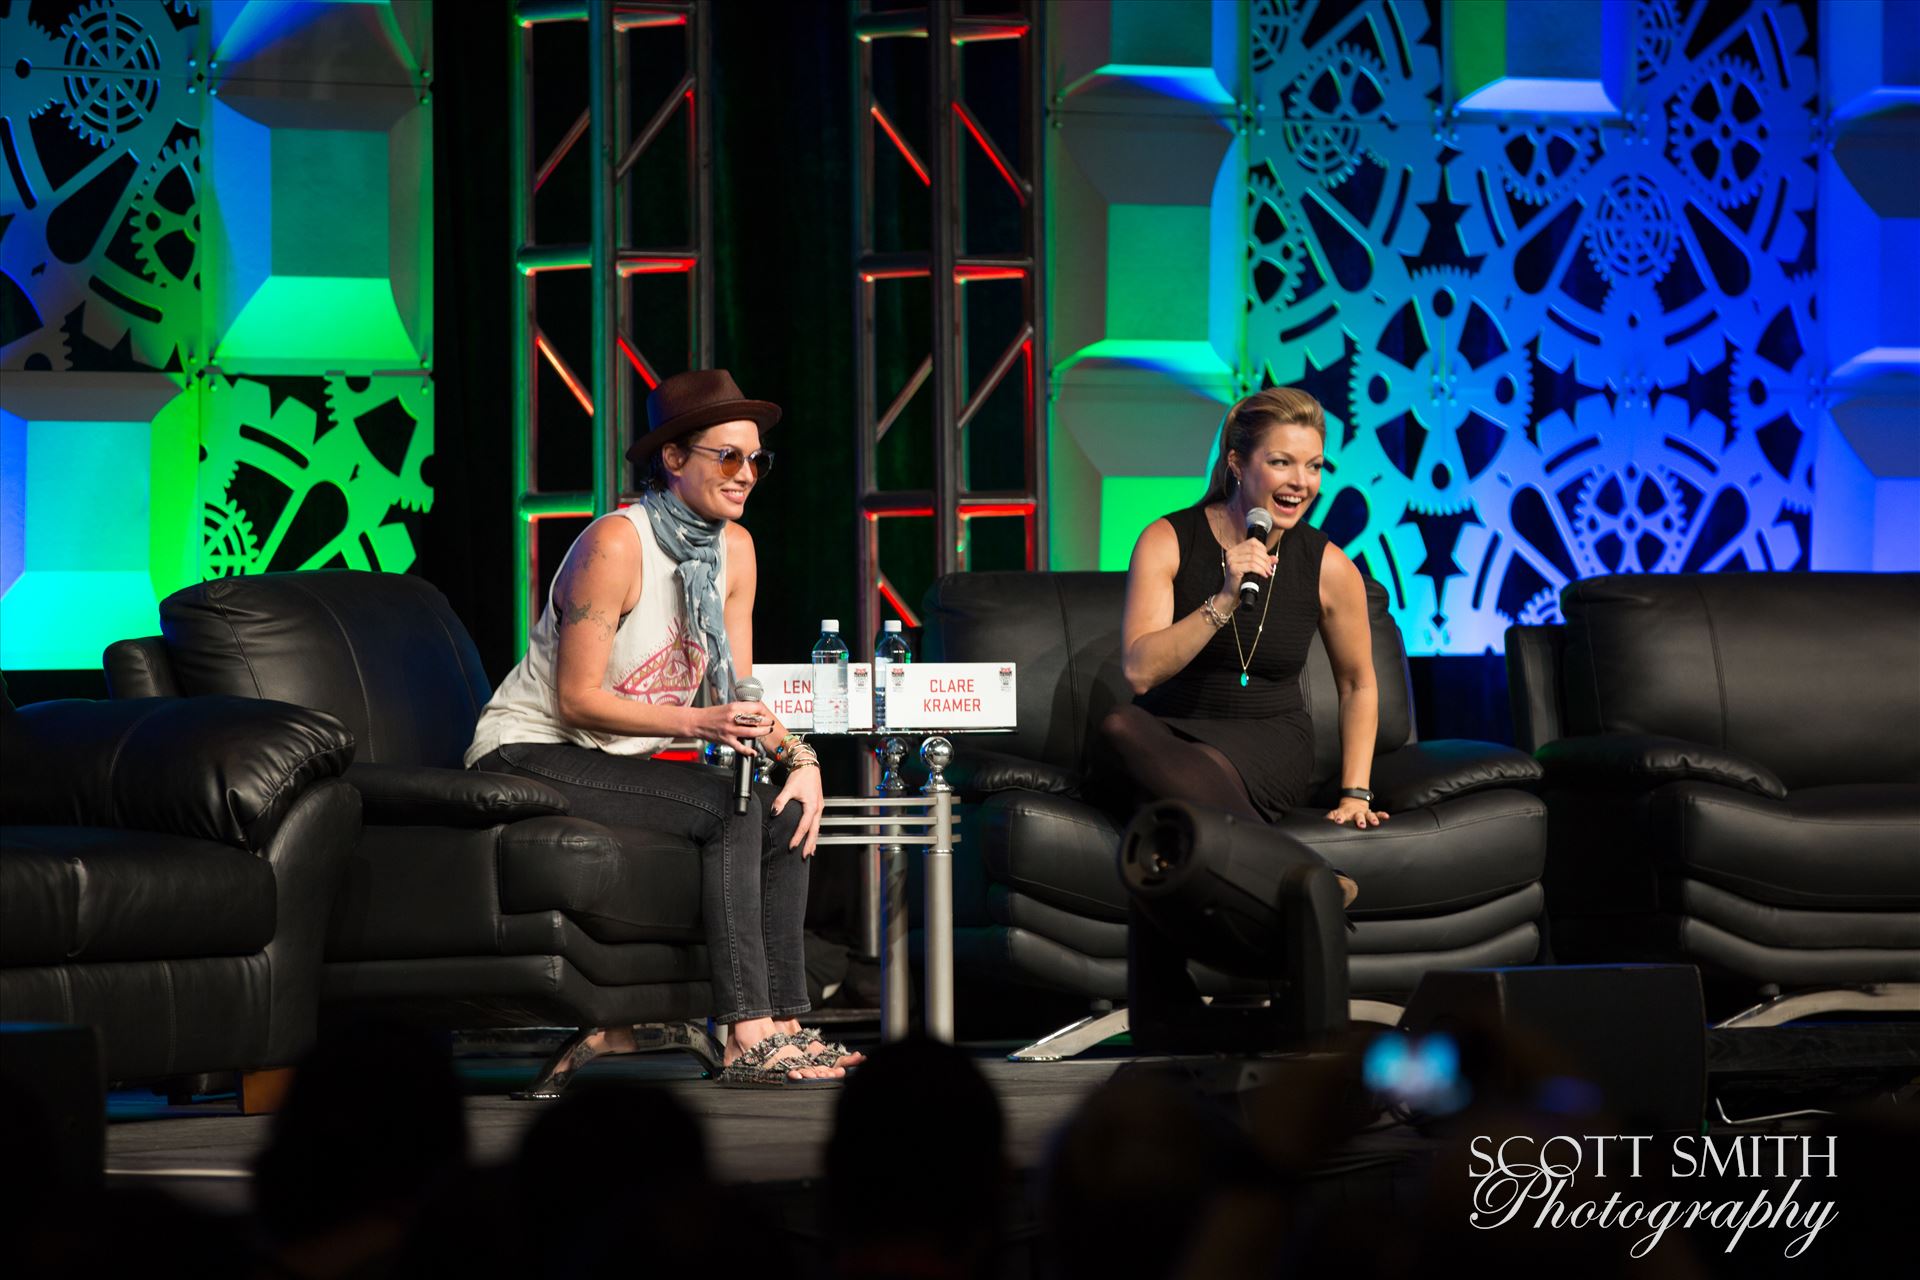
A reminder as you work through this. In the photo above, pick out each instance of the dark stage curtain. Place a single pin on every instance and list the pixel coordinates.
(468, 544)
(784, 324)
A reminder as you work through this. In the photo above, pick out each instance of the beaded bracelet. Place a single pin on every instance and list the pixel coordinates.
(786, 748)
(1214, 616)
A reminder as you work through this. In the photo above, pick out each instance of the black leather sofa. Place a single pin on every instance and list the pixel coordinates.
(1453, 879)
(471, 900)
(1733, 779)
(166, 868)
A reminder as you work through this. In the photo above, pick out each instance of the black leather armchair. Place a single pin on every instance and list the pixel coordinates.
(1452, 880)
(472, 900)
(1733, 779)
(166, 867)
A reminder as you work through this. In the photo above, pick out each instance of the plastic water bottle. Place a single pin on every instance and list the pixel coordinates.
(889, 650)
(830, 679)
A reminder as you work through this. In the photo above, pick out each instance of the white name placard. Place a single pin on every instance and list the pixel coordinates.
(951, 695)
(788, 692)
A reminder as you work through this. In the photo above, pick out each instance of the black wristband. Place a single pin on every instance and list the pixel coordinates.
(1357, 793)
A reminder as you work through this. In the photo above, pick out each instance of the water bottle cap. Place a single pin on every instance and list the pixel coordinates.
(829, 624)
(892, 624)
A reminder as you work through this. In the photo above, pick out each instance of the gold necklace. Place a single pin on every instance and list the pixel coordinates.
(1246, 658)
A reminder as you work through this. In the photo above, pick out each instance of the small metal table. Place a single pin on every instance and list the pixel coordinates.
(926, 822)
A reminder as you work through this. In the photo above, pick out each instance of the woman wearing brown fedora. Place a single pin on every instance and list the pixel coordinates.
(652, 606)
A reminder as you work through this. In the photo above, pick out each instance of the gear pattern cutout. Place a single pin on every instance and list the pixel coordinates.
(101, 264)
(1549, 345)
(1633, 232)
(1542, 161)
(113, 84)
(1718, 128)
(1358, 228)
(228, 547)
(165, 217)
(329, 492)
(1326, 108)
(118, 73)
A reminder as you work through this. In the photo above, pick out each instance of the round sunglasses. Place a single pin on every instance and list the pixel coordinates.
(731, 458)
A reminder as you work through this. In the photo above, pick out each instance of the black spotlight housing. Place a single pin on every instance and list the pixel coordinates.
(1240, 898)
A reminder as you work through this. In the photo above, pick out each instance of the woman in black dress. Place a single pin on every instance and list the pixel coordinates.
(1217, 717)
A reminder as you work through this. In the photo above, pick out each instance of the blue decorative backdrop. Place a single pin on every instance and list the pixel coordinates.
(1550, 344)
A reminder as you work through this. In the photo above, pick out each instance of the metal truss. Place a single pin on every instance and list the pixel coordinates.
(613, 146)
(949, 267)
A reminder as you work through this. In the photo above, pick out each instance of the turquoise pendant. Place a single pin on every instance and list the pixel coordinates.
(1243, 679)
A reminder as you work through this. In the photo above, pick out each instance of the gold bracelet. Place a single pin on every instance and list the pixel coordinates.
(1214, 616)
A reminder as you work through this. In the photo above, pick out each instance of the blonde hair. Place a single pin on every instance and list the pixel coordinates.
(1248, 421)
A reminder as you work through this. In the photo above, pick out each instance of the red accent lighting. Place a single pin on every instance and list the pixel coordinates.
(566, 375)
(639, 365)
(964, 274)
(654, 266)
(907, 616)
(906, 152)
(993, 152)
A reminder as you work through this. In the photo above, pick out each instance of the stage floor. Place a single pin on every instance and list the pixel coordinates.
(203, 1151)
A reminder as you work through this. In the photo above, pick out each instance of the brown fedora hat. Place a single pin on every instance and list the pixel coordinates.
(686, 402)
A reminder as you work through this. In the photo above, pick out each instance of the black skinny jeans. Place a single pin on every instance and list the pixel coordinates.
(753, 888)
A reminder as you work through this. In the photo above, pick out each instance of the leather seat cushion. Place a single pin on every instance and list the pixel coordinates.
(1796, 966)
(1451, 931)
(1772, 926)
(644, 889)
(1842, 848)
(1061, 851)
(1440, 859)
(95, 893)
(416, 892)
(1445, 858)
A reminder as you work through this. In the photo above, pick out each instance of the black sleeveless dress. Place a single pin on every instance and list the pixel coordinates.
(1263, 726)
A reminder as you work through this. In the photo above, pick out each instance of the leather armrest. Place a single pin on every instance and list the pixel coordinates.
(140, 669)
(1425, 773)
(1648, 760)
(219, 768)
(400, 795)
(978, 772)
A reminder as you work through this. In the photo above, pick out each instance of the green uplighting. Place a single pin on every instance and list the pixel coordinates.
(1158, 259)
(1476, 43)
(89, 609)
(1129, 503)
(297, 322)
(1196, 360)
(325, 184)
(84, 581)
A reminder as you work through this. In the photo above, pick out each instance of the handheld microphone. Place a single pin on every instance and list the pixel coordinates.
(1259, 525)
(748, 690)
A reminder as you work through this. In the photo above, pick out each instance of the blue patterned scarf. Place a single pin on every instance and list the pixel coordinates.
(692, 542)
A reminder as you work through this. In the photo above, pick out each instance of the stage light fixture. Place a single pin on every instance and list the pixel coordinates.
(1245, 900)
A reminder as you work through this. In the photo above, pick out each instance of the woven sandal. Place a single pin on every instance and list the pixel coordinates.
(751, 1070)
(829, 1051)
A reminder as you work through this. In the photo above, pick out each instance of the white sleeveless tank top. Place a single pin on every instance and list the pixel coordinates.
(656, 658)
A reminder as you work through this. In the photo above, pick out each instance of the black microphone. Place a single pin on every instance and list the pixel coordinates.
(747, 690)
(1259, 525)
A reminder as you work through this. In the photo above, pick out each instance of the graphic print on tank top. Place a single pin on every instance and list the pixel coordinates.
(670, 675)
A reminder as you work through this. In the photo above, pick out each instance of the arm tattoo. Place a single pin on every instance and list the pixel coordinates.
(583, 613)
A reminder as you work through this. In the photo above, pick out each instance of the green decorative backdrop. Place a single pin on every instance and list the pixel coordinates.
(1586, 286)
(216, 337)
